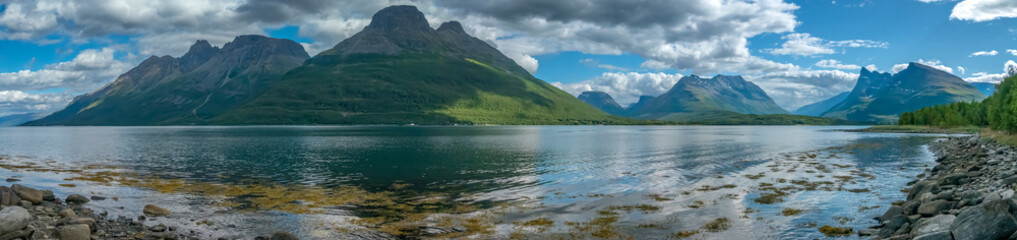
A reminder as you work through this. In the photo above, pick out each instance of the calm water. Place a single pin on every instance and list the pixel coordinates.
(561, 173)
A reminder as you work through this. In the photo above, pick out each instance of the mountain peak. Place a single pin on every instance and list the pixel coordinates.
(401, 17)
(453, 26)
(199, 53)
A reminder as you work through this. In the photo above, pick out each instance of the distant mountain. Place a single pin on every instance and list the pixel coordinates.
(818, 108)
(718, 94)
(399, 70)
(985, 88)
(602, 101)
(882, 97)
(203, 83)
(639, 104)
(18, 119)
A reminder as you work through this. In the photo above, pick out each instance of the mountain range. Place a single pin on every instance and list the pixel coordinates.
(202, 84)
(694, 94)
(398, 70)
(882, 97)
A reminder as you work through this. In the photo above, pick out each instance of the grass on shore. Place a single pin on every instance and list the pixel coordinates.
(999, 137)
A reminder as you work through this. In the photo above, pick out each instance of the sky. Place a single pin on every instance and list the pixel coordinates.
(798, 51)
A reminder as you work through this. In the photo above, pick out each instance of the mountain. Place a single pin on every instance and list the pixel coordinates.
(882, 97)
(602, 101)
(203, 83)
(639, 104)
(18, 119)
(985, 88)
(718, 94)
(818, 108)
(399, 70)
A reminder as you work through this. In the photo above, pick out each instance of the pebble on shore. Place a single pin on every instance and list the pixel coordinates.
(968, 195)
(28, 213)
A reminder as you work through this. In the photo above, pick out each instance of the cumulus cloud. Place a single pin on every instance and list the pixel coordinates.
(701, 35)
(804, 44)
(993, 77)
(1012, 51)
(984, 53)
(794, 89)
(961, 69)
(830, 63)
(931, 63)
(624, 87)
(17, 102)
(871, 67)
(87, 71)
(984, 10)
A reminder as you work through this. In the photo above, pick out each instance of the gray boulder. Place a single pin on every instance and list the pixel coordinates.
(8, 197)
(989, 220)
(27, 193)
(941, 235)
(13, 219)
(935, 224)
(74, 232)
(934, 207)
(76, 199)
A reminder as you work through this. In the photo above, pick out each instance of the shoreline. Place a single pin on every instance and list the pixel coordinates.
(28, 213)
(969, 194)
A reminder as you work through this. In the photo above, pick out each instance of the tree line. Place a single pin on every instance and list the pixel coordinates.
(998, 112)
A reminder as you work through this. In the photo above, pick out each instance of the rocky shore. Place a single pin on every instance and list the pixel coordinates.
(969, 194)
(27, 213)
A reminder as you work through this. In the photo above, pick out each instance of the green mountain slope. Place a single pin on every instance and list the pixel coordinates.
(718, 94)
(881, 97)
(202, 84)
(399, 70)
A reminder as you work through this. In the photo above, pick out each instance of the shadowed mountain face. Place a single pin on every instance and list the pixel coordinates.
(202, 84)
(882, 97)
(718, 94)
(602, 101)
(399, 70)
(818, 108)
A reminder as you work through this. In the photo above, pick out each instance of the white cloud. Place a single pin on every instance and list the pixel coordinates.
(961, 69)
(86, 72)
(1012, 51)
(794, 89)
(596, 63)
(931, 63)
(990, 77)
(984, 10)
(830, 63)
(871, 67)
(804, 44)
(625, 88)
(984, 53)
(17, 102)
(702, 35)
